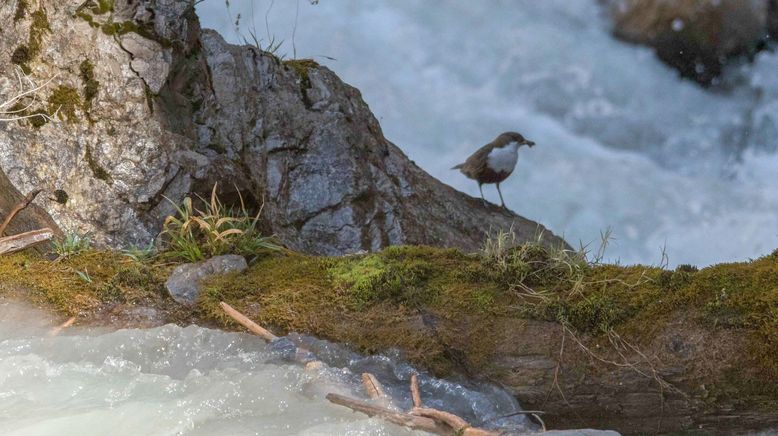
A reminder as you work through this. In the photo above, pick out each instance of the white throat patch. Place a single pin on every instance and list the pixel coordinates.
(503, 159)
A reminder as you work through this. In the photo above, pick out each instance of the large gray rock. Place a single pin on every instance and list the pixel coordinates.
(178, 109)
(694, 36)
(185, 280)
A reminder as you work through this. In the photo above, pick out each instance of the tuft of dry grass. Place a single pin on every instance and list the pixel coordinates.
(194, 234)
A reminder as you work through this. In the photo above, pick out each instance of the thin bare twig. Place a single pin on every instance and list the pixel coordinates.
(626, 362)
(27, 90)
(558, 367)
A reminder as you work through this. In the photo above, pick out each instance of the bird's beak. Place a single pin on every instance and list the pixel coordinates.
(530, 143)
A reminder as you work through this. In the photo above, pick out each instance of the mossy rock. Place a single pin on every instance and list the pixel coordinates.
(21, 10)
(26, 53)
(302, 68)
(64, 101)
(91, 85)
(98, 171)
(446, 310)
(111, 277)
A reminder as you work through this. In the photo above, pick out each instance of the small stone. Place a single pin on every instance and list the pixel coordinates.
(184, 283)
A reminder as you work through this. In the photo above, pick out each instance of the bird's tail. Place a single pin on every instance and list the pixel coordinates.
(457, 167)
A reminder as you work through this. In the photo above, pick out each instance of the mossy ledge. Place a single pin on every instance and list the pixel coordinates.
(711, 334)
(302, 68)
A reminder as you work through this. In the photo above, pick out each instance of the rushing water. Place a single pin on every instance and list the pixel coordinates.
(623, 142)
(195, 381)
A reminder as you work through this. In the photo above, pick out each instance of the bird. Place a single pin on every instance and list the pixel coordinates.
(494, 162)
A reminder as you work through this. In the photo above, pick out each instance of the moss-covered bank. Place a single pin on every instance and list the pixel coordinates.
(703, 343)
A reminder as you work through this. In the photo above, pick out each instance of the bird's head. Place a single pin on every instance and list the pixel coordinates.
(508, 137)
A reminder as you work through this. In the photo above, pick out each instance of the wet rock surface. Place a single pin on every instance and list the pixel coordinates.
(695, 37)
(169, 110)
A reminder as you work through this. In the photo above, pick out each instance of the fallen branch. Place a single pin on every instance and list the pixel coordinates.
(415, 392)
(420, 418)
(301, 354)
(458, 425)
(399, 418)
(11, 244)
(373, 387)
(246, 322)
(18, 208)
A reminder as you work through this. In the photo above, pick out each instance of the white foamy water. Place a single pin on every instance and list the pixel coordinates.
(622, 141)
(196, 381)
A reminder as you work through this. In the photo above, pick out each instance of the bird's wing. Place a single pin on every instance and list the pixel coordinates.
(476, 163)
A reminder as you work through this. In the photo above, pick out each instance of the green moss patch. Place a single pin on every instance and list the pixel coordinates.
(25, 53)
(399, 274)
(64, 101)
(97, 170)
(88, 18)
(145, 30)
(39, 27)
(302, 68)
(21, 10)
(102, 7)
(61, 196)
(91, 85)
(99, 14)
(81, 284)
(21, 55)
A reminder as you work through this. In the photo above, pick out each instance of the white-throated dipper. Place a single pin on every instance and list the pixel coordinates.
(494, 162)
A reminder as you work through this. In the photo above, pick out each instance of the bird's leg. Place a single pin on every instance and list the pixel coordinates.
(501, 200)
(481, 188)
